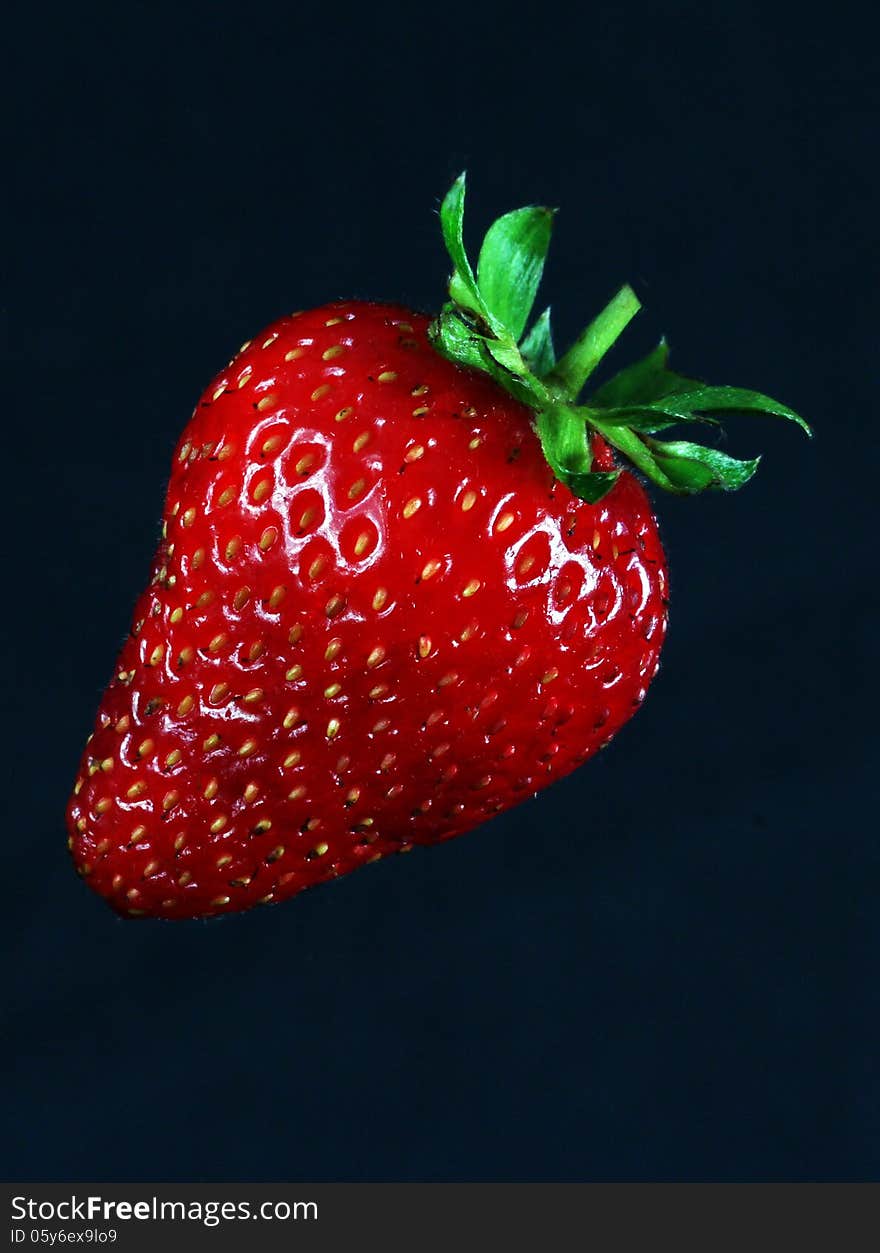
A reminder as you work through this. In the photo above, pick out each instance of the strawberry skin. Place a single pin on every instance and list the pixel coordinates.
(375, 620)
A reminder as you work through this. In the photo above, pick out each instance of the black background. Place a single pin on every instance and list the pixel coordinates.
(665, 967)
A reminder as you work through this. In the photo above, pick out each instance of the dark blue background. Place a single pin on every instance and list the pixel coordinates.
(665, 967)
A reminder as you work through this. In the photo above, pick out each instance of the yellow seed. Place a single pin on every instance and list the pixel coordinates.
(449, 678)
(218, 824)
(278, 594)
(293, 354)
(271, 339)
(297, 794)
(597, 540)
(137, 834)
(255, 694)
(169, 800)
(293, 673)
(329, 354)
(356, 489)
(549, 675)
(205, 599)
(211, 742)
(321, 849)
(271, 444)
(424, 645)
(267, 402)
(380, 598)
(218, 392)
(220, 900)
(376, 656)
(421, 390)
(352, 795)
(226, 497)
(233, 547)
(256, 650)
(218, 692)
(247, 748)
(334, 606)
(276, 854)
(412, 506)
(107, 764)
(526, 564)
(156, 655)
(430, 568)
(184, 879)
(103, 805)
(173, 757)
(387, 761)
(420, 411)
(382, 725)
(292, 759)
(217, 642)
(251, 792)
(304, 463)
(241, 598)
(504, 522)
(294, 635)
(414, 453)
(225, 452)
(379, 690)
(185, 705)
(344, 413)
(362, 543)
(223, 861)
(472, 588)
(332, 728)
(184, 452)
(262, 490)
(291, 718)
(387, 376)
(245, 376)
(136, 789)
(468, 500)
(475, 442)
(320, 392)
(333, 690)
(268, 538)
(188, 518)
(151, 868)
(180, 841)
(317, 566)
(361, 442)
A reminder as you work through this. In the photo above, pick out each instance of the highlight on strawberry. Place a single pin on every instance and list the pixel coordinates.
(408, 576)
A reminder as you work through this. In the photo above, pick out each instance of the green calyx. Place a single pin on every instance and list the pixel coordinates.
(483, 326)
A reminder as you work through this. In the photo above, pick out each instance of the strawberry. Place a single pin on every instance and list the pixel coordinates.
(404, 582)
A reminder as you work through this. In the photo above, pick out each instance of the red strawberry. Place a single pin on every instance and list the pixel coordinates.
(383, 609)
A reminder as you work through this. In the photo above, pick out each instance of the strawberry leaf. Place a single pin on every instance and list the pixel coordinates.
(643, 382)
(694, 468)
(510, 265)
(462, 285)
(537, 346)
(690, 405)
(482, 325)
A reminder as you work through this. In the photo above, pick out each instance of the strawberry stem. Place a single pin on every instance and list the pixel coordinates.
(575, 367)
(483, 326)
